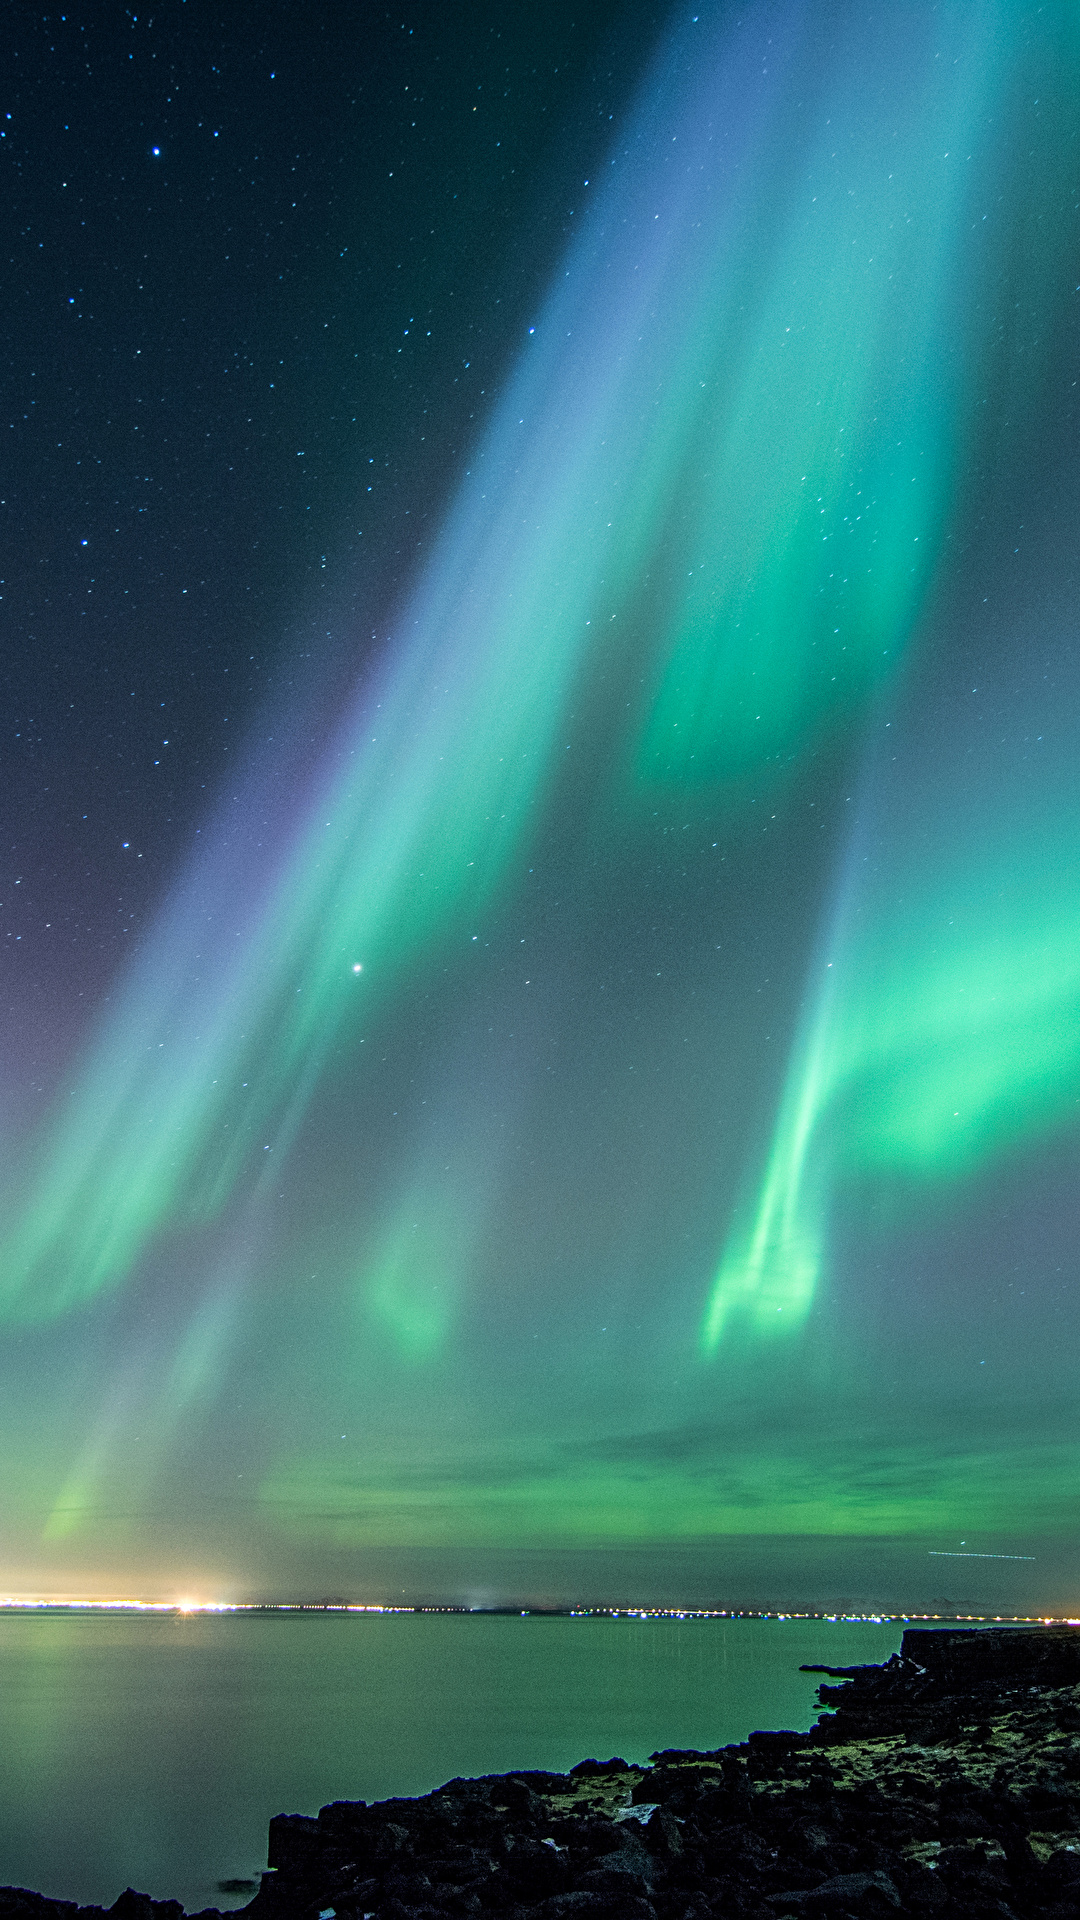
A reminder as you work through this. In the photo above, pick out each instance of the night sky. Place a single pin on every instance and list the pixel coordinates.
(540, 836)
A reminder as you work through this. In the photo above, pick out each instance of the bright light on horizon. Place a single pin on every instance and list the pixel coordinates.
(120, 1605)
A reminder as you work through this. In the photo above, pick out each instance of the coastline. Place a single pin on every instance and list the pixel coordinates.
(945, 1782)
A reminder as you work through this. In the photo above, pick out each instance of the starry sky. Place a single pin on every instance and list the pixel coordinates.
(540, 881)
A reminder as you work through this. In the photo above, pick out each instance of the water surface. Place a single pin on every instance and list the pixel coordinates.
(152, 1751)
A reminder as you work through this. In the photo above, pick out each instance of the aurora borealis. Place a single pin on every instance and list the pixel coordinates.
(589, 1103)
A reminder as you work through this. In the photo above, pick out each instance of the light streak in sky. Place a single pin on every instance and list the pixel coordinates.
(941, 1554)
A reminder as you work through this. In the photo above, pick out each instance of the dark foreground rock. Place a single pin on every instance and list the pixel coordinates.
(945, 1783)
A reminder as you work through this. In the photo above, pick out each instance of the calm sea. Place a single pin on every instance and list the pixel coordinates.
(151, 1752)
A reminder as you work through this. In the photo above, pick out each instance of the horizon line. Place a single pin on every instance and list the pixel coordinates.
(827, 1615)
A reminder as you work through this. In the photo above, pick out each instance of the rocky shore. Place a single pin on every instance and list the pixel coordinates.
(944, 1783)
